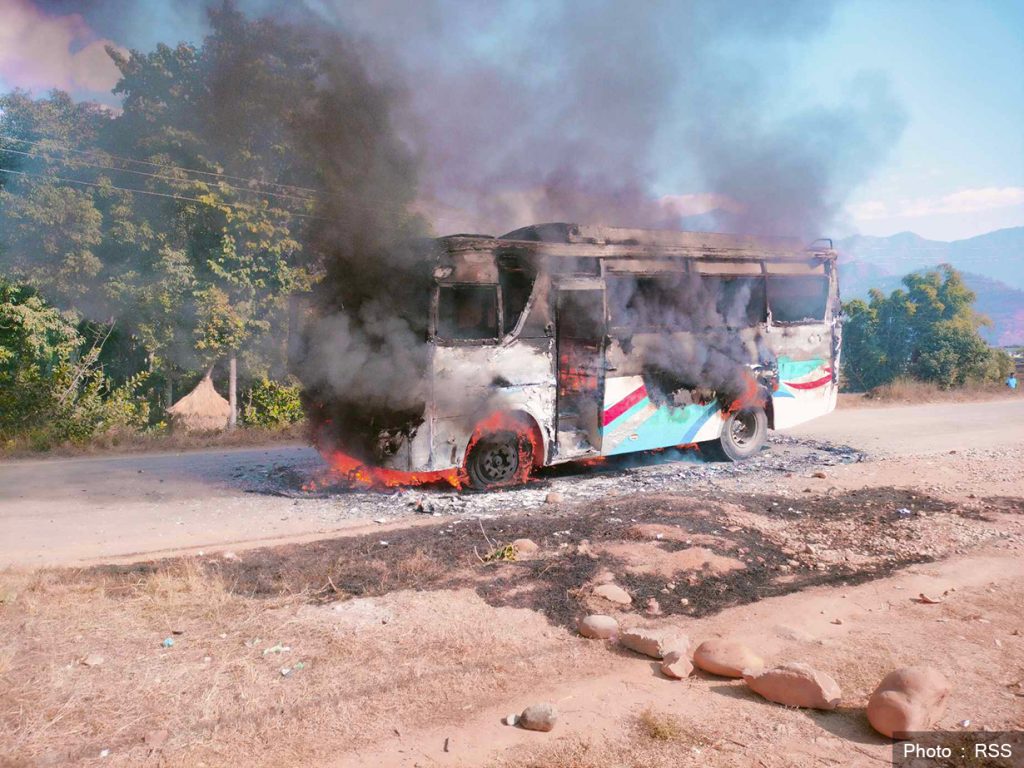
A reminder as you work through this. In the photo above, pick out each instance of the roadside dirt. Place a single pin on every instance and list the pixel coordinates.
(405, 643)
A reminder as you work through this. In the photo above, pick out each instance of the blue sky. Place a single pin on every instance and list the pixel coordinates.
(956, 68)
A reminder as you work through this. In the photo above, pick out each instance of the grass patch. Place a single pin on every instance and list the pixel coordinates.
(660, 726)
(910, 391)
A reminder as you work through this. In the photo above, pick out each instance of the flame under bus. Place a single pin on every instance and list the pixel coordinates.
(561, 342)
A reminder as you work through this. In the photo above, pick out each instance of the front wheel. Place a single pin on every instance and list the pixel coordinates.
(743, 434)
(499, 459)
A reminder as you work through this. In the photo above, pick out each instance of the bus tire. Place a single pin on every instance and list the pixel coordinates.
(743, 434)
(499, 459)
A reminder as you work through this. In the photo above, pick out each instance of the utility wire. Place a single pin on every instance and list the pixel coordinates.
(165, 178)
(53, 143)
(379, 204)
(149, 192)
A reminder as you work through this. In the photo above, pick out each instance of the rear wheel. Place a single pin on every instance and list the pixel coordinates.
(499, 459)
(743, 434)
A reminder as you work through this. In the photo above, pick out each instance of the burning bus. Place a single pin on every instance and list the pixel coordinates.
(563, 342)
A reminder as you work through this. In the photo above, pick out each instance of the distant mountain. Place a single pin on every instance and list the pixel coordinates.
(992, 266)
(998, 255)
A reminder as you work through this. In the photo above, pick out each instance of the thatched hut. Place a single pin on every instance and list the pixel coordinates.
(201, 410)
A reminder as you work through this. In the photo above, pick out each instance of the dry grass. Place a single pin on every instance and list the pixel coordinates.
(136, 442)
(659, 726)
(406, 659)
(908, 391)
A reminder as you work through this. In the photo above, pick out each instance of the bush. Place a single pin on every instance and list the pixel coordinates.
(50, 391)
(272, 404)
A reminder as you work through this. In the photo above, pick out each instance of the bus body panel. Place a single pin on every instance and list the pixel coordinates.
(633, 422)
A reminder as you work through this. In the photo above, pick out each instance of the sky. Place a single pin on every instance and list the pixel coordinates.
(953, 66)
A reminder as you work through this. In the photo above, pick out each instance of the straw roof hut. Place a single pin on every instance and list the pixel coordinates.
(201, 410)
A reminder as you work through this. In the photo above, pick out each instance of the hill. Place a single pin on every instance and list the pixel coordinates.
(992, 265)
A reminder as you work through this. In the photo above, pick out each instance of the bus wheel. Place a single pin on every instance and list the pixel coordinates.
(500, 458)
(743, 435)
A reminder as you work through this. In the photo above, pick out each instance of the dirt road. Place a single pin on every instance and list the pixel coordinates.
(870, 540)
(60, 511)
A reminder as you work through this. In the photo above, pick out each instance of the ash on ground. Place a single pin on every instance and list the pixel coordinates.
(672, 470)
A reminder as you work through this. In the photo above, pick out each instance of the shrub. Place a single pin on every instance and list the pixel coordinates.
(272, 404)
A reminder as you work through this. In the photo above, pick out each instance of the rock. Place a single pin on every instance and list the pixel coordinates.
(676, 665)
(525, 546)
(796, 685)
(613, 593)
(653, 608)
(819, 475)
(656, 643)
(597, 626)
(908, 699)
(727, 658)
(511, 719)
(539, 717)
(554, 498)
(92, 660)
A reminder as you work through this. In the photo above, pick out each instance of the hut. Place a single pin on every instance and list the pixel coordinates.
(201, 410)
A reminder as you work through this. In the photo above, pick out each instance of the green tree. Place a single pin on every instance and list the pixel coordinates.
(927, 330)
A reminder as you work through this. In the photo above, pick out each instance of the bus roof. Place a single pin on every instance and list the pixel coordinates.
(575, 240)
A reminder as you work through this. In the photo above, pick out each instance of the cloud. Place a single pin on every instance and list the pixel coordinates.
(964, 201)
(42, 51)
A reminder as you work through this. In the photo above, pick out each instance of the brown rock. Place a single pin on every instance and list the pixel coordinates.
(539, 717)
(796, 685)
(727, 658)
(653, 607)
(598, 626)
(525, 546)
(613, 593)
(656, 643)
(908, 699)
(819, 475)
(676, 665)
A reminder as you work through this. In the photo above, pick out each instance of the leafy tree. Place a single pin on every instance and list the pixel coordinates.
(51, 389)
(927, 330)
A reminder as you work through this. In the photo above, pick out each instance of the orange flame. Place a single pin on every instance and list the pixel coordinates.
(358, 474)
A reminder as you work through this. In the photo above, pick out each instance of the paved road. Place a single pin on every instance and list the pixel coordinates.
(74, 510)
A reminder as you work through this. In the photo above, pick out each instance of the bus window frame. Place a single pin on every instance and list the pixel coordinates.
(435, 306)
(828, 313)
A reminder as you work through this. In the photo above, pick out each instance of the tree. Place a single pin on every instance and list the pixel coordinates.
(928, 330)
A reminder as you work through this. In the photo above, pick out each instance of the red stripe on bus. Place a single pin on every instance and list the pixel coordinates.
(811, 384)
(634, 397)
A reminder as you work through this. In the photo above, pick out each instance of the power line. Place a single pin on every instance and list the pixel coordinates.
(380, 204)
(65, 148)
(165, 178)
(150, 192)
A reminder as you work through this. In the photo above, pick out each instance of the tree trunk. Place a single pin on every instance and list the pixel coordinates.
(168, 390)
(233, 391)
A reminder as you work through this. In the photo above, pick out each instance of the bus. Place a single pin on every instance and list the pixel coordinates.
(565, 342)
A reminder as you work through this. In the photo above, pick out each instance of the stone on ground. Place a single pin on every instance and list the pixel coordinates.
(525, 546)
(676, 665)
(796, 685)
(656, 643)
(597, 626)
(728, 658)
(613, 593)
(539, 717)
(908, 699)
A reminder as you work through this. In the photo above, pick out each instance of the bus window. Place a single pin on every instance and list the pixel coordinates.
(515, 292)
(467, 312)
(741, 301)
(798, 299)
